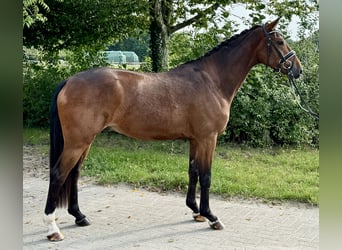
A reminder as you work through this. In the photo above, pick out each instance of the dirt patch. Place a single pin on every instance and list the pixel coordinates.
(35, 163)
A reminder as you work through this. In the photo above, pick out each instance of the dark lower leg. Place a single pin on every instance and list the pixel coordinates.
(73, 208)
(53, 196)
(204, 203)
(191, 195)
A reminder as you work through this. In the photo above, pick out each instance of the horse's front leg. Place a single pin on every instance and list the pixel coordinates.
(191, 195)
(205, 180)
(204, 157)
(193, 179)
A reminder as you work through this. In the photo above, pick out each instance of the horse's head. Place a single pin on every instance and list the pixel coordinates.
(275, 52)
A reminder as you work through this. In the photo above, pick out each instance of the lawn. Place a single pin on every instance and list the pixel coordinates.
(271, 174)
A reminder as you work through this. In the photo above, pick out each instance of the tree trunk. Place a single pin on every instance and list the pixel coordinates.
(159, 35)
(161, 28)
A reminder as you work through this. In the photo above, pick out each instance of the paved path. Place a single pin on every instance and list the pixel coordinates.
(124, 218)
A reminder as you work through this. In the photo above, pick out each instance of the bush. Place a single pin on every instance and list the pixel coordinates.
(39, 84)
(250, 113)
(42, 71)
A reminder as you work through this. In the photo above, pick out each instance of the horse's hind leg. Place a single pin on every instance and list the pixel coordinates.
(73, 208)
(55, 186)
(60, 189)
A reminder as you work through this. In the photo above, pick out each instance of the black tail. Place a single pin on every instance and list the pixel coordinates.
(56, 146)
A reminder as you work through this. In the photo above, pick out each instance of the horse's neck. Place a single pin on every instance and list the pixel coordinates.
(233, 66)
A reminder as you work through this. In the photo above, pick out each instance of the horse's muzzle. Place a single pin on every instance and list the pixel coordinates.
(295, 72)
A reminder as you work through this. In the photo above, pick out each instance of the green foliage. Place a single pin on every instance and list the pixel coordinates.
(83, 58)
(286, 9)
(32, 12)
(186, 46)
(138, 43)
(180, 49)
(71, 24)
(40, 79)
(39, 84)
(146, 66)
(250, 112)
(266, 112)
(42, 73)
(167, 17)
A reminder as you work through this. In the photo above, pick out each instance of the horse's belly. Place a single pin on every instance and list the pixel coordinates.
(148, 128)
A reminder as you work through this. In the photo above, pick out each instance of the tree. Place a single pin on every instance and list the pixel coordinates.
(164, 16)
(169, 16)
(31, 12)
(73, 23)
(189, 45)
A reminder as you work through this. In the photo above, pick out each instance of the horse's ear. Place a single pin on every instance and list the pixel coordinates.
(270, 26)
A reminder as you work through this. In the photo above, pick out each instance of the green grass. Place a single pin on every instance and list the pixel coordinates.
(276, 174)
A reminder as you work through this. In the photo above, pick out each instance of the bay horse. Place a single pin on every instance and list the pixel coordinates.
(191, 101)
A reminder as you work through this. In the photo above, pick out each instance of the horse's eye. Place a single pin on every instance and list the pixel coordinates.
(280, 43)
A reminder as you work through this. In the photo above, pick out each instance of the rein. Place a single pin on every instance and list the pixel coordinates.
(302, 101)
(288, 66)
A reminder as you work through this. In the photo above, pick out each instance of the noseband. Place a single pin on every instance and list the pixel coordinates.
(284, 60)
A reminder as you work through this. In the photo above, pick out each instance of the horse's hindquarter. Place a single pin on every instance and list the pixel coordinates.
(86, 102)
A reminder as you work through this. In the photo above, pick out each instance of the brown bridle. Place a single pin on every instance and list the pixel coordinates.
(284, 60)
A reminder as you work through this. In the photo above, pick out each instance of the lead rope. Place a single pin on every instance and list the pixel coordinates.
(296, 92)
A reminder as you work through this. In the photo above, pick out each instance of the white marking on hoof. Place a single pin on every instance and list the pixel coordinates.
(217, 225)
(55, 237)
(54, 233)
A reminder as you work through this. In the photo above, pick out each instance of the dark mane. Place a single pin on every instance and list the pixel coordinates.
(225, 44)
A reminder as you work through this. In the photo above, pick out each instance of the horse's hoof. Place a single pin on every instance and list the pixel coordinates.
(199, 218)
(58, 236)
(216, 225)
(83, 222)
